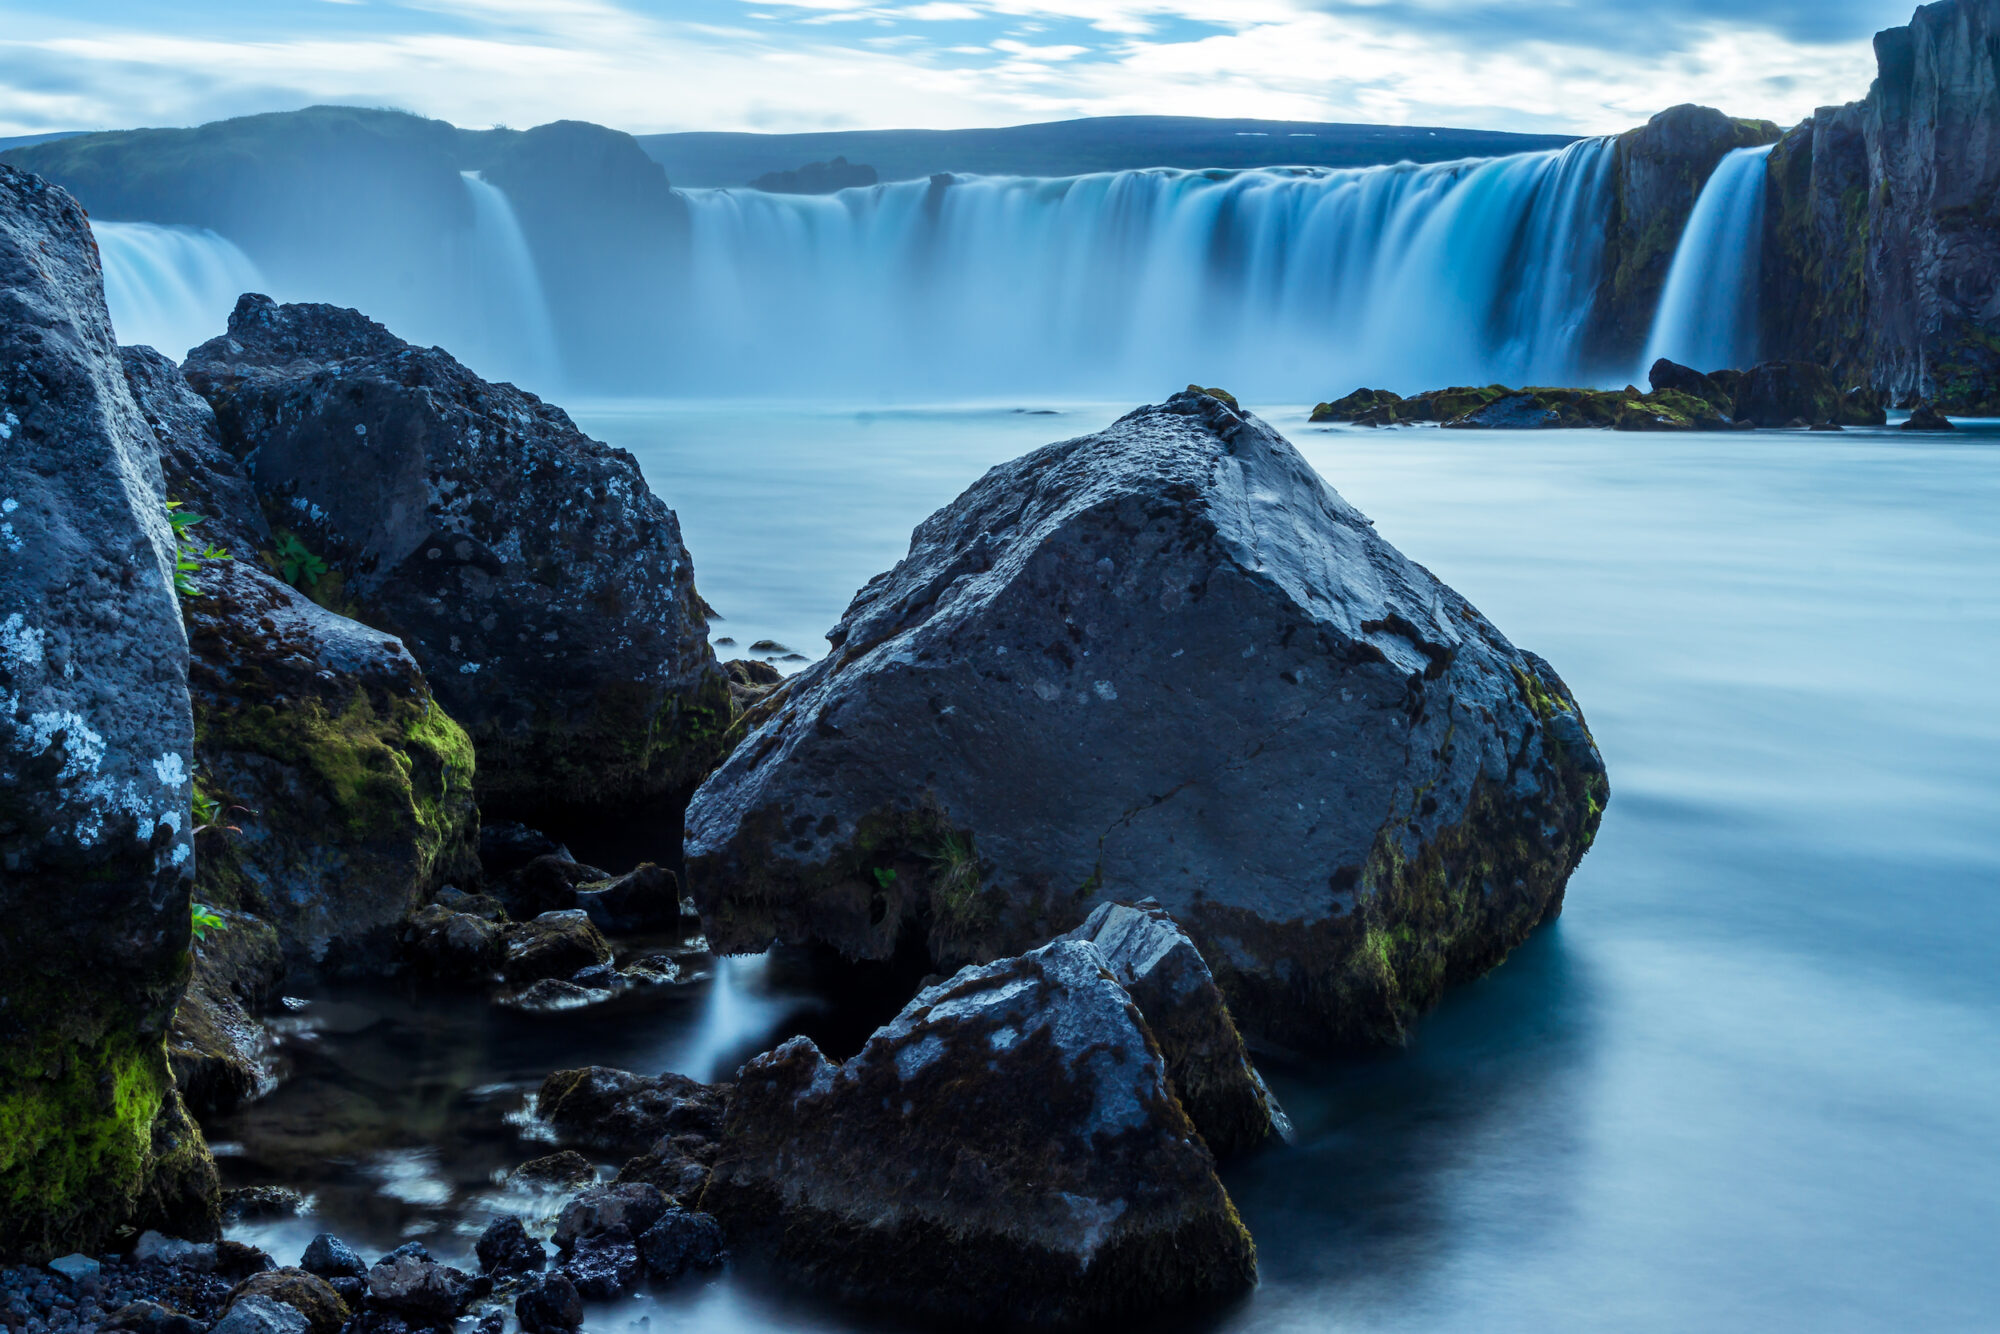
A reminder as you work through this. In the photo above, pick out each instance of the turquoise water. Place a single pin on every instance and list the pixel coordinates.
(1749, 1081)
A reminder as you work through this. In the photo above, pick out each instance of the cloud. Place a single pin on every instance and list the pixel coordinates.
(647, 65)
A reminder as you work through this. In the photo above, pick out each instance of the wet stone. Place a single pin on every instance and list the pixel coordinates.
(604, 1267)
(682, 1240)
(506, 1248)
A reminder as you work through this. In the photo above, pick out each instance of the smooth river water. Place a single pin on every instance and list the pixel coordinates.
(1749, 1081)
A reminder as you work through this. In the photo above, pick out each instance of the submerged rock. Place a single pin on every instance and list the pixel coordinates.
(1166, 660)
(348, 786)
(1165, 975)
(530, 570)
(1008, 1143)
(96, 762)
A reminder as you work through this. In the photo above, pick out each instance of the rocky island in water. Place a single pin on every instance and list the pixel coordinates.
(322, 657)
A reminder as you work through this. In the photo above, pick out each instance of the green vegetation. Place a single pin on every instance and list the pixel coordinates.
(297, 565)
(204, 920)
(188, 553)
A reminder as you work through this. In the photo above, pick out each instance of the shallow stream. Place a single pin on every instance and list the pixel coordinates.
(1750, 1079)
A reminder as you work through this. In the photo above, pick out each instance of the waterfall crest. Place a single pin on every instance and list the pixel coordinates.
(505, 329)
(1284, 282)
(1707, 317)
(171, 288)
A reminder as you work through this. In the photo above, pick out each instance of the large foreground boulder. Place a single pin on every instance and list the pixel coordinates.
(347, 788)
(1165, 660)
(1009, 1143)
(543, 588)
(96, 743)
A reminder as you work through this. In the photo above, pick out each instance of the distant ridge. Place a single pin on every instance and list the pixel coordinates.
(28, 140)
(1074, 147)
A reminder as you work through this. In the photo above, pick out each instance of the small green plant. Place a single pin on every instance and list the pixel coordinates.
(884, 876)
(188, 553)
(207, 919)
(299, 566)
(957, 876)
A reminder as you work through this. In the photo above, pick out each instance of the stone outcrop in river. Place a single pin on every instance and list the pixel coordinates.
(96, 756)
(1882, 241)
(1162, 660)
(1009, 1143)
(529, 569)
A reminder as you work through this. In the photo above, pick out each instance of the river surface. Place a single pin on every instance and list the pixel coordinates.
(1749, 1081)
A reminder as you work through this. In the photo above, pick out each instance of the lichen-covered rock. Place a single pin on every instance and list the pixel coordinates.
(258, 1314)
(1008, 1143)
(349, 786)
(96, 756)
(530, 570)
(1165, 660)
(1668, 374)
(553, 945)
(306, 1293)
(1168, 980)
(421, 1291)
(1357, 405)
(620, 1112)
(219, 1050)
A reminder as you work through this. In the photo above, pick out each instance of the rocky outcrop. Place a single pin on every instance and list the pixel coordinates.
(348, 788)
(1008, 1143)
(620, 1112)
(96, 757)
(1657, 175)
(1168, 660)
(220, 1051)
(1495, 407)
(537, 580)
(1882, 247)
(1166, 977)
(206, 478)
(817, 178)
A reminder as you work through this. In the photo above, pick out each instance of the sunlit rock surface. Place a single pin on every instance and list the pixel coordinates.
(1163, 660)
(1009, 1143)
(538, 581)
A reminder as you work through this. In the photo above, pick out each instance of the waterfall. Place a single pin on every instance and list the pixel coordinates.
(171, 288)
(1707, 317)
(1285, 282)
(505, 329)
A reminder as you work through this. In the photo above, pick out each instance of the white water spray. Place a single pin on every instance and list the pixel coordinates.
(1274, 281)
(1707, 316)
(505, 329)
(738, 1013)
(171, 288)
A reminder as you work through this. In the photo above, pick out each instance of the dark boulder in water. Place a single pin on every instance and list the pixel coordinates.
(555, 945)
(96, 763)
(506, 1248)
(1926, 417)
(620, 1112)
(551, 1305)
(1685, 379)
(680, 1241)
(1163, 660)
(1168, 980)
(529, 569)
(1514, 412)
(646, 898)
(1777, 393)
(1009, 1143)
(1357, 405)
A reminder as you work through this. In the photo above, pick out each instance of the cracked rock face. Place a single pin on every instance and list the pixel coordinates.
(1164, 660)
(529, 569)
(96, 741)
(1008, 1143)
(1166, 977)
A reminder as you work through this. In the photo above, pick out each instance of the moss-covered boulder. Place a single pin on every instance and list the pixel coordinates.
(528, 568)
(348, 789)
(1009, 1143)
(96, 839)
(1162, 660)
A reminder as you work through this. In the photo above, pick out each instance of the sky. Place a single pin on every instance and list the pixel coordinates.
(1579, 66)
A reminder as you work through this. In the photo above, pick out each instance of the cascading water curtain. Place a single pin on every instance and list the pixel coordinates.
(1707, 316)
(1287, 284)
(171, 288)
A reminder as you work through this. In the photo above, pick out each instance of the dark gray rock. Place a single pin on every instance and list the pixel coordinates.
(1168, 660)
(262, 1315)
(330, 1257)
(626, 1210)
(349, 789)
(1009, 1141)
(1776, 393)
(681, 1241)
(566, 1169)
(603, 1267)
(206, 478)
(505, 846)
(325, 1310)
(554, 945)
(1165, 975)
(620, 1112)
(146, 1317)
(539, 582)
(817, 178)
(420, 1291)
(453, 946)
(96, 762)
(1687, 380)
(551, 1305)
(552, 995)
(647, 898)
(221, 1053)
(1515, 412)
(506, 1248)
(1926, 417)
(547, 883)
